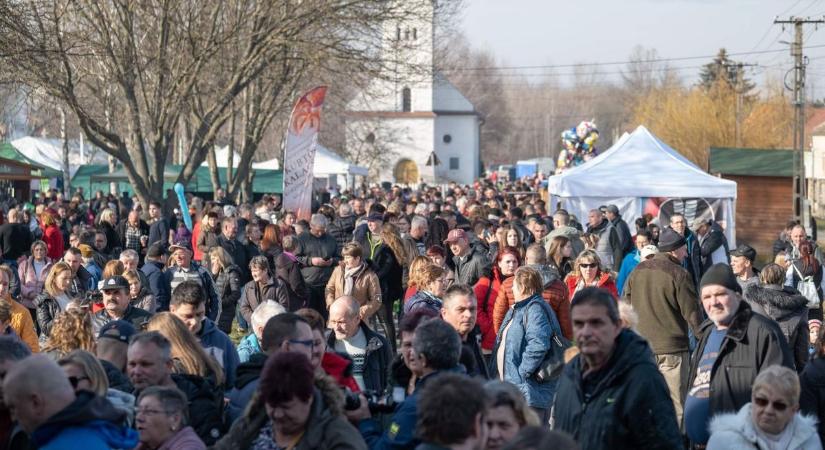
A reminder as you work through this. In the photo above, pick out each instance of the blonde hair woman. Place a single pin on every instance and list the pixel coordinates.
(390, 260)
(72, 330)
(226, 277)
(526, 335)
(33, 271)
(85, 373)
(588, 272)
(20, 319)
(139, 295)
(414, 281)
(188, 355)
(771, 420)
(54, 298)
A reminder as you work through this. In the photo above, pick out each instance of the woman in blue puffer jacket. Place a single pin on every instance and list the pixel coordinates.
(524, 339)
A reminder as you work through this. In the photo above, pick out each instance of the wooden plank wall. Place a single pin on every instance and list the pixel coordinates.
(763, 207)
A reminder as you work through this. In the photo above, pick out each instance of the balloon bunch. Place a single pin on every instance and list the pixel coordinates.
(579, 145)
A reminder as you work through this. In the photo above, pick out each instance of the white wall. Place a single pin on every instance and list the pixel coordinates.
(464, 145)
(409, 138)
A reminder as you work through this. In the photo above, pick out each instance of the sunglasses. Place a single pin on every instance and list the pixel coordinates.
(589, 266)
(74, 381)
(763, 402)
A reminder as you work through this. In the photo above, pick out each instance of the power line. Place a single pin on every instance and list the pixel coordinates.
(613, 63)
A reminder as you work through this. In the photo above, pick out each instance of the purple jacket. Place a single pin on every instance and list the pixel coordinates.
(185, 439)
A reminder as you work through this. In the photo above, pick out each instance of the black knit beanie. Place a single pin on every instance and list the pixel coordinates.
(670, 240)
(722, 275)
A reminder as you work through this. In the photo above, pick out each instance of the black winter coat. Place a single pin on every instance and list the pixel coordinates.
(789, 310)
(228, 285)
(376, 361)
(752, 343)
(626, 405)
(389, 273)
(288, 271)
(341, 229)
(206, 415)
(238, 253)
(117, 379)
(47, 309)
(310, 247)
(812, 397)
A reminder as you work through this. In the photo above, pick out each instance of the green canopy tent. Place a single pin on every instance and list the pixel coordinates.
(97, 177)
(9, 151)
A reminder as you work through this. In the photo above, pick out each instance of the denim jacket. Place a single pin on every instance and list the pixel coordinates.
(525, 348)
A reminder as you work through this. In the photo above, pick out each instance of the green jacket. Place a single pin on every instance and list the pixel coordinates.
(663, 295)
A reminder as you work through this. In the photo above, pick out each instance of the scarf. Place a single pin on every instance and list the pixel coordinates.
(349, 278)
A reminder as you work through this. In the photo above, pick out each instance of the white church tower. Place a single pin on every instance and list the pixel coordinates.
(428, 129)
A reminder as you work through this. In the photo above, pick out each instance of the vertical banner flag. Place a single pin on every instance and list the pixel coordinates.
(299, 152)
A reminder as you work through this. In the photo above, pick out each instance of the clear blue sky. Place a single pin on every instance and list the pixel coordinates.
(552, 32)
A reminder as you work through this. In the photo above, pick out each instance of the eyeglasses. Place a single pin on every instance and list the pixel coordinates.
(763, 402)
(308, 343)
(449, 281)
(588, 266)
(149, 412)
(338, 322)
(74, 381)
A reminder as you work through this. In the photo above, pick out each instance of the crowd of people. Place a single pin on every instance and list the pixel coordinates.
(453, 317)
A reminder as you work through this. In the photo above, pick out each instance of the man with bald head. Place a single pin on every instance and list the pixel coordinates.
(45, 404)
(370, 352)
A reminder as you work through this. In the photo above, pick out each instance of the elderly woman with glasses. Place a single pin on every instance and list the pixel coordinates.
(588, 273)
(770, 421)
(162, 421)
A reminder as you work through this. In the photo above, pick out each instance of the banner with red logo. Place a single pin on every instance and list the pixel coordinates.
(299, 152)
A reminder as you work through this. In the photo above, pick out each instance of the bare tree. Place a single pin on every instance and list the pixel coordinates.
(135, 73)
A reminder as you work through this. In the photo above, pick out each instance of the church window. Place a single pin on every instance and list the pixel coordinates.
(397, 33)
(370, 139)
(415, 33)
(453, 163)
(447, 139)
(407, 34)
(406, 100)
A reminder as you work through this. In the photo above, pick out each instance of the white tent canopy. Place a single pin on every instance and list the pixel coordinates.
(222, 157)
(326, 163)
(641, 174)
(49, 152)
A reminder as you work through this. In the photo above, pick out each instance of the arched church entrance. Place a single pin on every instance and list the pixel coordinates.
(406, 172)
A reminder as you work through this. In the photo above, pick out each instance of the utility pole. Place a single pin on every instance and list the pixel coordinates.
(739, 90)
(799, 198)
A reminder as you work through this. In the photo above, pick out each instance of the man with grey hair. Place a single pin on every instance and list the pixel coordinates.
(229, 241)
(370, 352)
(734, 345)
(342, 227)
(149, 363)
(12, 351)
(47, 408)
(251, 344)
(436, 349)
(318, 253)
(130, 260)
(459, 308)
(415, 238)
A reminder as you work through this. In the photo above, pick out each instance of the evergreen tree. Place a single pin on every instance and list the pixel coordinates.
(726, 70)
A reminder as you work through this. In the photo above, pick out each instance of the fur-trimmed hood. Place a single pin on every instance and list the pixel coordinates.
(736, 431)
(776, 297)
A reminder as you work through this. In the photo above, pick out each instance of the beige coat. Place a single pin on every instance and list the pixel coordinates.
(366, 289)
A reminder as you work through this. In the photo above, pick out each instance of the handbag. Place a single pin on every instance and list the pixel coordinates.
(553, 361)
(807, 288)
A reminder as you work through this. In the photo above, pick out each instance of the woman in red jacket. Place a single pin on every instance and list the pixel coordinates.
(51, 236)
(588, 273)
(487, 290)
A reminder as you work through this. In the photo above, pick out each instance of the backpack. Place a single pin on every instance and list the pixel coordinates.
(807, 288)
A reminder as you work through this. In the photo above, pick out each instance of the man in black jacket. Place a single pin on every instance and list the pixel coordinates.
(370, 352)
(343, 225)
(150, 364)
(734, 346)
(116, 305)
(228, 240)
(459, 308)
(612, 395)
(112, 344)
(15, 238)
(318, 253)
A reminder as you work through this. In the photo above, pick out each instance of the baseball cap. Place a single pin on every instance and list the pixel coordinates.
(697, 223)
(119, 330)
(181, 244)
(455, 235)
(744, 250)
(648, 250)
(115, 282)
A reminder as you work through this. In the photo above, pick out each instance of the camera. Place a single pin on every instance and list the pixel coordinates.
(377, 403)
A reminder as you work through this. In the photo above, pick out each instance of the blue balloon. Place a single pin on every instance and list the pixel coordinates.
(184, 209)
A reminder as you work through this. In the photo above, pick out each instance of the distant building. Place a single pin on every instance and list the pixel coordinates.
(428, 129)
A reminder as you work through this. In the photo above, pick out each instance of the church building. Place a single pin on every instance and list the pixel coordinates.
(426, 128)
